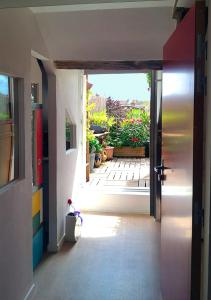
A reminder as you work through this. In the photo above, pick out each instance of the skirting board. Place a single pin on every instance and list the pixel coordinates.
(57, 247)
(30, 292)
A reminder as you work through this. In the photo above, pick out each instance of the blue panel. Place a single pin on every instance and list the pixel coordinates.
(37, 247)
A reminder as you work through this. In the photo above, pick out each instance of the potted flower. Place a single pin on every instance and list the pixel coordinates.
(131, 136)
(73, 223)
(98, 153)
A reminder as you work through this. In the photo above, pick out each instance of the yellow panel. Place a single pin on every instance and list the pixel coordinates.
(36, 202)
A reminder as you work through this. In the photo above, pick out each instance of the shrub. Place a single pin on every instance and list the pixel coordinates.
(114, 109)
(132, 132)
(95, 146)
(101, 119)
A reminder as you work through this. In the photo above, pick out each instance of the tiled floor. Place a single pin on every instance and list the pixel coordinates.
(117, 258)
(122, 172)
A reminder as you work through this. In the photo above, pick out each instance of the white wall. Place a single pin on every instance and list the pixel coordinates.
(19, 34)
(71, 164)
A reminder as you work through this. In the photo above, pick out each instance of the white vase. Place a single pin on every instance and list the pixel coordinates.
(72, 228)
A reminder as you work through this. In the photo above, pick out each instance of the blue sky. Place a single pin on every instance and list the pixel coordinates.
(3, 84)
(121, 86)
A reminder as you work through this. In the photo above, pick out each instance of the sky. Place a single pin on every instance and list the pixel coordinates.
(3, 84)
(131, 86)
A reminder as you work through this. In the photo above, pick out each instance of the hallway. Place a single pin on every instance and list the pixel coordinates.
(117, 258)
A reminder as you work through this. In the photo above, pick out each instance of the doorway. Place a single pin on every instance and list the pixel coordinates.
(118, 111)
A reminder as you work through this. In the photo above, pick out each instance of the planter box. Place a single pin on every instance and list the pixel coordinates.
(129, 152)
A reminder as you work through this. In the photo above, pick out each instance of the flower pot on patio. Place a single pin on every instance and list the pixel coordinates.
(109, 152)
(104, 156)
(98, 160)
(92, 161)
(129, 151)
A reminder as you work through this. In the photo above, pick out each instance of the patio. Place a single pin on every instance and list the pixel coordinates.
(121, 172)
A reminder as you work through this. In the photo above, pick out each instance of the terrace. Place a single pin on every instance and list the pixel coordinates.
(121, 172)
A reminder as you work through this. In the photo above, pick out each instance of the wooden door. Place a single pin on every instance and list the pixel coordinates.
(182, 134)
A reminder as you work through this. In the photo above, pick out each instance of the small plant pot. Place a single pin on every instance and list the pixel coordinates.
(104, 156)
(72, 228)
(98, 160)
(92, 161)
(109, 152)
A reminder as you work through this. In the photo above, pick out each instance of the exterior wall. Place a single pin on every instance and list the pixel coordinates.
(71, 164)
(18, 36)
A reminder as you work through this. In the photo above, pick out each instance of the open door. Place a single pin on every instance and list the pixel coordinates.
(155, 144)
(181, 168)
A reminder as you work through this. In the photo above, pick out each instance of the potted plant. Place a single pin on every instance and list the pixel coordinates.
(98, 153)
(131, 136)
(73, 223)
(109, 152)
(92, 151)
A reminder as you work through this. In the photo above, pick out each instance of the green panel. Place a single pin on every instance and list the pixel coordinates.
(37, 247)
(36, 223)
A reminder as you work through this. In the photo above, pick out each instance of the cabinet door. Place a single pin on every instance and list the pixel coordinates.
(39, 146)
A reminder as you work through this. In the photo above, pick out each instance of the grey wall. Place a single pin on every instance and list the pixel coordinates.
(18, 35)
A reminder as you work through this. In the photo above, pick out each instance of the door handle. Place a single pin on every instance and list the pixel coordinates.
(160, 169)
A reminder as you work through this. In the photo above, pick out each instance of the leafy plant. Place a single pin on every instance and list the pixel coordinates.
(101, 119)
(95, 146)
(89, 107)
(114, 137)
(132, 132)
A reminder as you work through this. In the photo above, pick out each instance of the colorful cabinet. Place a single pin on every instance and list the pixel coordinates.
(37, 223)
(37, 197)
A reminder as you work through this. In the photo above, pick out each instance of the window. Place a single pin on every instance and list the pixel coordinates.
(9, 159)
(70, 133)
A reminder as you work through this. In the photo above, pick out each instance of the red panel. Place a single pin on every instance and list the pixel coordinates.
(177, 153)
(39, 146)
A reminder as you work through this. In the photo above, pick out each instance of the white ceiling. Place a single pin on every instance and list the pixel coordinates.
(114, 34)
(103, 6)
(38, 3)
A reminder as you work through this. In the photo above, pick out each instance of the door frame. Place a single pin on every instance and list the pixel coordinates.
(198, 151)
(155, 144)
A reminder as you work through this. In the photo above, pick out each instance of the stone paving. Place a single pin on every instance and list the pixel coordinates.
(122, 172)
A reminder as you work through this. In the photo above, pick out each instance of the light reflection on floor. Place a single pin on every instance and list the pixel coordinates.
(100, 226)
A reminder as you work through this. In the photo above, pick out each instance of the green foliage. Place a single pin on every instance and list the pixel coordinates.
(114, 137)
(149, 79)
(132, 132)
(95, 146)
(4, 116)
(134, 113)
(89, 107)
(101, 119)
